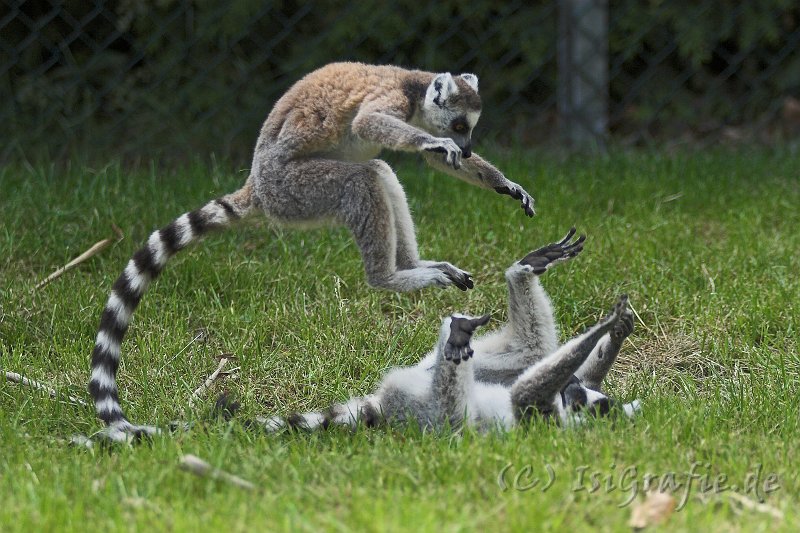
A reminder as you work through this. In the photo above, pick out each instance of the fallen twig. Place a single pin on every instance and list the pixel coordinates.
(756, 506)
(22, 380)
(195, 465)
(199, 391)
(94, 250)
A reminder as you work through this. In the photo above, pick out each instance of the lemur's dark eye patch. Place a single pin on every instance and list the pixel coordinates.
(459, 125)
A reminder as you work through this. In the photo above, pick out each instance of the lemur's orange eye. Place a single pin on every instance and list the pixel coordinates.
(459, 128)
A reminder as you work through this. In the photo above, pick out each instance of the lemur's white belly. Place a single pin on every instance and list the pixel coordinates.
(490, 403)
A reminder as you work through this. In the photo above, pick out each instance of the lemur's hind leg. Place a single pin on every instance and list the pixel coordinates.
(407, 253)
(594, 370)
(530, 333)
(354, 194)
(536, 389)
(452, 375)
(529, 309)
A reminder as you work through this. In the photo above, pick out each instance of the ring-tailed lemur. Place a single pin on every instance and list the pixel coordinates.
(313, 163)
(499, 379)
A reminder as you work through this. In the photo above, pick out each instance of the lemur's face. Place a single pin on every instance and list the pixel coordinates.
(452, 108)
(576, 398)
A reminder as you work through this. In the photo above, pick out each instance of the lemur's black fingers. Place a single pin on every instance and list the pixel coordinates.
(579, 242)
(465, 278)
(437, 149)
(457, 281)
(572, 252)
(480, 321)
(513, 193)
(624, 327)
(527, 206)
(460, 332)
(622, 305)
(461, 329)
(567, 237)
(617, 310)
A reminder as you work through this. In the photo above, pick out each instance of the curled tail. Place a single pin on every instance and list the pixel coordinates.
(145, 265)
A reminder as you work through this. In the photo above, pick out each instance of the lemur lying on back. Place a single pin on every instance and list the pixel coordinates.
(313, 162)
(499, 379)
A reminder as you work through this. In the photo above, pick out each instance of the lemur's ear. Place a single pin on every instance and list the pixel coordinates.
(441, 88)
(472, 81)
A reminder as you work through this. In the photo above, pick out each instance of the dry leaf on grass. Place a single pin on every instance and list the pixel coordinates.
(655, 509)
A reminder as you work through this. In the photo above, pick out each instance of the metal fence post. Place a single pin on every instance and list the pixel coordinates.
(583, 72)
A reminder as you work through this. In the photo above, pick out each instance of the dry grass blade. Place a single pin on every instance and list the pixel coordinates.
(91, 252)
(670, 354)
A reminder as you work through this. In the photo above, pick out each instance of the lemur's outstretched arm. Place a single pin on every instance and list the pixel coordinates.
(480, 172)
(594, 370)
(452, 375)
(437, 121)
(536, 388)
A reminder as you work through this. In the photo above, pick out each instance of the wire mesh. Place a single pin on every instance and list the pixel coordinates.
(171, 78)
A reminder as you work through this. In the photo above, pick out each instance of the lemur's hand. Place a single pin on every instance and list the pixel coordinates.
(542, 259)
(446, 146)
(515, 191)
(457, 348)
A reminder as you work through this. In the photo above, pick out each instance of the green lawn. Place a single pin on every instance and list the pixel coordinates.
(705, 244)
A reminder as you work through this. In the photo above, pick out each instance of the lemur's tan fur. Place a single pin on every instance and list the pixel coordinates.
(321, 107)
(314, 162)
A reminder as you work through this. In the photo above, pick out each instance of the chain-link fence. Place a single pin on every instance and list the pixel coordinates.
(149, 78)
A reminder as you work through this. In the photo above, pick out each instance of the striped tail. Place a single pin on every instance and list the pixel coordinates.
(355, 412)
(145, 265)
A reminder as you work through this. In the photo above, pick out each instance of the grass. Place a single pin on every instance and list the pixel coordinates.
(705, 244)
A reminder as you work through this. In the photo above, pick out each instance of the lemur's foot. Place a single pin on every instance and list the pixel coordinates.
(545, 257)
(615, 315)
(457, 348)
(623, 327)
(460, 278)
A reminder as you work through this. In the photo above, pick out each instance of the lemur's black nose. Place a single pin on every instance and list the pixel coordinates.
(466, 151)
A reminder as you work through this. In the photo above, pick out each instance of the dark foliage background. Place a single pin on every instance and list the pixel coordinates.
(156, 77)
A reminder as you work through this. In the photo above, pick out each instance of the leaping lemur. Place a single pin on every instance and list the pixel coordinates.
(314, 162)
(497, 380)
